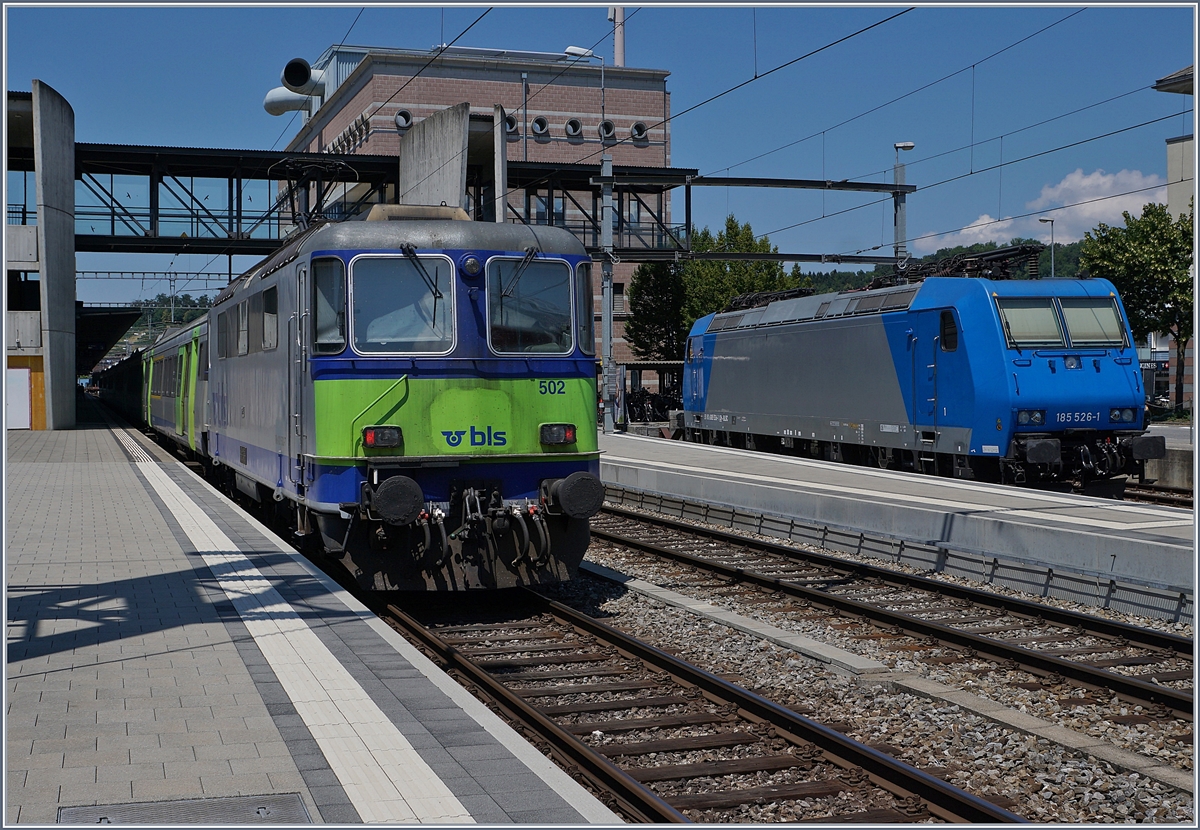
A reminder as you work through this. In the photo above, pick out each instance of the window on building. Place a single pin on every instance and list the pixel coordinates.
(542, 216)
(618, 298)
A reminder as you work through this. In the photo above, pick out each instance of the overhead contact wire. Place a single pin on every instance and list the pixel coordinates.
(907, 94)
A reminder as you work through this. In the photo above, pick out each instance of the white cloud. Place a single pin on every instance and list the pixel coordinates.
(1094, 198)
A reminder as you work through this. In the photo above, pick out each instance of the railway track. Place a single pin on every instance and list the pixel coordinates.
(1144, 666)
(667, 741)
(1160, 494)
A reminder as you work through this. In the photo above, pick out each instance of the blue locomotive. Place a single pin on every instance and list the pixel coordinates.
(1010, 380)
(415, 390)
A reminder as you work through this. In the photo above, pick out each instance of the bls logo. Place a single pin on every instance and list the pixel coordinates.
(479, 438)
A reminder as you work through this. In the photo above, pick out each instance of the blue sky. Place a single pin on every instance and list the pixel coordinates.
(197, 76)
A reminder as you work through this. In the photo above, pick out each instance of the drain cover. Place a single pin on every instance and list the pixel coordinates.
(247, 809)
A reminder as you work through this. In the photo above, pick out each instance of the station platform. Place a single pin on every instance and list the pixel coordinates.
(1131, 557)
(171, 661)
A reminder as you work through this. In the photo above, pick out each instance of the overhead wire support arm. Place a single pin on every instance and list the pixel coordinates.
(669, 180)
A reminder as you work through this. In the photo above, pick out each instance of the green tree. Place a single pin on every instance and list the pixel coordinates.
(1066, 261)
(186, 308)
(1148, 261)
(656, 329)
(710, 284)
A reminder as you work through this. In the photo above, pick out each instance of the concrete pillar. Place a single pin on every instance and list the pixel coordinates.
(500, 144)
(433, 159)
(54, 163)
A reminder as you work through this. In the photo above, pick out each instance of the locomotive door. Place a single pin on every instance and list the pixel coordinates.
(695, 381)
(181, 396)
(296, 369)
(925, 347)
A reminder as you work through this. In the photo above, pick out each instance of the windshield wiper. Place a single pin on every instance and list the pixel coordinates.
(431, 283)
(1012, 339)
(530, 253)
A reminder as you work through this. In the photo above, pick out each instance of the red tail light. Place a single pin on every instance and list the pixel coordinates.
(558, 433)
(381, 437)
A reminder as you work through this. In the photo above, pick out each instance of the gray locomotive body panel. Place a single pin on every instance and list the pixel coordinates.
(809, 380)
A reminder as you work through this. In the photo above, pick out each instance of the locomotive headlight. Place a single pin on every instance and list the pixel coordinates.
(1023, 417)
(381, 437)
(1121, 416)
(1072, 361)
(1114, 415)
(470, 265)
(1127, 415)
(1031, 417)
(558, 433)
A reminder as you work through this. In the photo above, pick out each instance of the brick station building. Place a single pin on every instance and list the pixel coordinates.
(557, 106)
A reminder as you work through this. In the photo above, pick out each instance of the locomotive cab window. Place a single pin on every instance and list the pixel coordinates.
(402, 304)
(329, 306)
(529, 306)
(1030, 322)
(1093, 321)
(585, 325)
(949, 332)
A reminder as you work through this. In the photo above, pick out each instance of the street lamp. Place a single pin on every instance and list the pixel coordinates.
(579, 52)
(899, 221)
(1051, 221)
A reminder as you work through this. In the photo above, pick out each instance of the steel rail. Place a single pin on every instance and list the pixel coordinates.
(635, 798)
(1181, 703)
(1048, 613)
(947, 800)
(1160, 494)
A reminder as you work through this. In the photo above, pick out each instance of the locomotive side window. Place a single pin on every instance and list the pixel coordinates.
(949, 332)
(256, 323)
(243, 327)
(329, 306)
(222, 335)
(1093, 321)
(1030, 322)
(529, 306)
(203, 360)
(585, 321)
(270, 321)
(402, 304)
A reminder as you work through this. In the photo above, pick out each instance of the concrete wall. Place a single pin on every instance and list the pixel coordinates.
(23, 333)
(433, 159)
(1181, 172)
(21, 247)
(1175, 470)
(54, 163)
